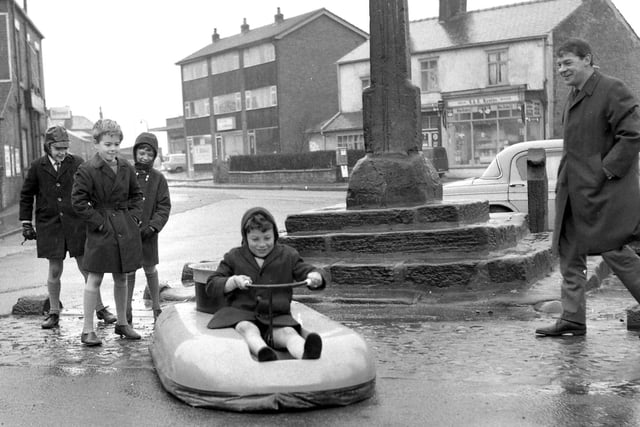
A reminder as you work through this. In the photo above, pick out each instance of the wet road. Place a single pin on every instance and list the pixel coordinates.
(473, 369)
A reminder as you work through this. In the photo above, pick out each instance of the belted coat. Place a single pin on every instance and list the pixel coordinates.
(111, 206)
(59, 229)
(601, 133)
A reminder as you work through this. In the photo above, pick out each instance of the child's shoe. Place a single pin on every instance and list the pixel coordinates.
(312, 346)
(266, 354)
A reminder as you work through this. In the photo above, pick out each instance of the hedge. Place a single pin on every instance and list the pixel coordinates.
(290, 161)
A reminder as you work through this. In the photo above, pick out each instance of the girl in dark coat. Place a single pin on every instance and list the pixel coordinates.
(58, 229)
(107, 196)
(262, 260)
(155, 214)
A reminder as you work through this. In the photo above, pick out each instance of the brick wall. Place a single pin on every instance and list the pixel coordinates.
(307, 77)
(314, 176)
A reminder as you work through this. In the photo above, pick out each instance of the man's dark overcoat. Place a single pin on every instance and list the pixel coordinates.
(58, 227)
(601, 132)
(111, 206)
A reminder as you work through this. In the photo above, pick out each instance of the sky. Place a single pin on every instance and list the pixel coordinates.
(120, 55)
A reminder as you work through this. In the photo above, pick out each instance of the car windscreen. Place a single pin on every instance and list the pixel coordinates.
(492, 171)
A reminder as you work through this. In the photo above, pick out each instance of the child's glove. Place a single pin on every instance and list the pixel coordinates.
(315, 280)
(28, 232)
(237, 282)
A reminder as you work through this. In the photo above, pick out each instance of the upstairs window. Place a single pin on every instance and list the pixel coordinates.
(229, 103)
(429, 75)
(225, 62)
(195, 70)
(197, 108)
(259, 54)
(261, 98)
(497, 67)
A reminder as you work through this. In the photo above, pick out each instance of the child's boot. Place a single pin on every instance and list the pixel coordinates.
(312, 346)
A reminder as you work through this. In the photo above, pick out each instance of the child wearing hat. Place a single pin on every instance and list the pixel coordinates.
(58, 228)
(106, 195)
(155, 214)
(262, 260)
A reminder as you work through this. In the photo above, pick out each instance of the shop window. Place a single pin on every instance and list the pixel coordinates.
(497, 67)
(429, 75)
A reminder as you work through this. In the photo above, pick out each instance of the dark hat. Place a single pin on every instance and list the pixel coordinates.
(146, 138)
(57, 137)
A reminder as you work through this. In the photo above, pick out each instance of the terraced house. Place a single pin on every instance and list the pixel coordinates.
(258, 91)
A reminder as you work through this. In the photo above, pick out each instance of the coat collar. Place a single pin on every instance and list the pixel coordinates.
(588, 88)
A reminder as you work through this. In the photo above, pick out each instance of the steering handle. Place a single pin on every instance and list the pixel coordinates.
(278, 285)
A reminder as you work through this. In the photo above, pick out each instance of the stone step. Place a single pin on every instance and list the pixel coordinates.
(530, 260)
(432, 215)
(501, 231)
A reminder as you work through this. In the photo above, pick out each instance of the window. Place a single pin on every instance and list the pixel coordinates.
(197, 108)
(497, 67)
(225, 62)
(351, 142)
(228, 103)
(429, 75)
(193, 71)
(365, 81)
(259, 55)
(261, 98)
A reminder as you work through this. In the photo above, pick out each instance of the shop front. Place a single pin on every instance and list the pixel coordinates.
(478, 127)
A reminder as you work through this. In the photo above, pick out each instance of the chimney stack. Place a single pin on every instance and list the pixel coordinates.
(215, 36)
(244, 28)
(451, 8)
(279, 17)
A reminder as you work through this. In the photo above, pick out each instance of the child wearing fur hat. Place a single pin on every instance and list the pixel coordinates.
(58, 228)
(106, 195)
(262, 260)
(155, 214)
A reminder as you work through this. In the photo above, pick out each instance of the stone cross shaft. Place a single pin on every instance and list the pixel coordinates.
(391, 104)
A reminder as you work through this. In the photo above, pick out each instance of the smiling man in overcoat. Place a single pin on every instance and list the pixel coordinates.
(597, 193)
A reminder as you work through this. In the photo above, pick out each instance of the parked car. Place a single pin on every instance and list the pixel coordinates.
(175, 163)
(504, 182)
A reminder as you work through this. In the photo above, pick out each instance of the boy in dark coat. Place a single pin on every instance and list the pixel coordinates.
(262, 260)
(58, 229)
(107, 197)
(155, 214)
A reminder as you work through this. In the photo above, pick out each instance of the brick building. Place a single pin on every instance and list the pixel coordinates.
(258, 91)
(176, 142)
(488, 77)
(23, 118)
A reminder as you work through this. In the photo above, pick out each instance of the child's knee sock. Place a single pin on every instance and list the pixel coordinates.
(89, 303)
(120, 296)
(131, 284)
(53, 287)
(154, 289)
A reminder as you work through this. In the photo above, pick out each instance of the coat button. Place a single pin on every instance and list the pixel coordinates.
(57, 184)
(61, 213)
(59, 199)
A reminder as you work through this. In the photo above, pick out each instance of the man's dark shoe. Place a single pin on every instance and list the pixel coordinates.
(562, 327)
(51, 321)
(106, 316)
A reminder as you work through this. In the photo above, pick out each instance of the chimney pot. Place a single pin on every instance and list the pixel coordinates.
(244, 28)
(279, 17)
(451, 8)
(215, 36)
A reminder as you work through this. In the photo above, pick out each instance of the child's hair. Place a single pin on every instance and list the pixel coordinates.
(257, 222)
(106, 127)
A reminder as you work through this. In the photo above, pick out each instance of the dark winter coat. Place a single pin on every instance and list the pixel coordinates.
(157, 206)
(58, 227)
(111, 206)
(601, 132)
(282, 265)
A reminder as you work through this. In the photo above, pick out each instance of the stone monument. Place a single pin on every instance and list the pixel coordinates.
(393, 171)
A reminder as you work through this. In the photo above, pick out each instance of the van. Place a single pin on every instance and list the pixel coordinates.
(175, 163)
